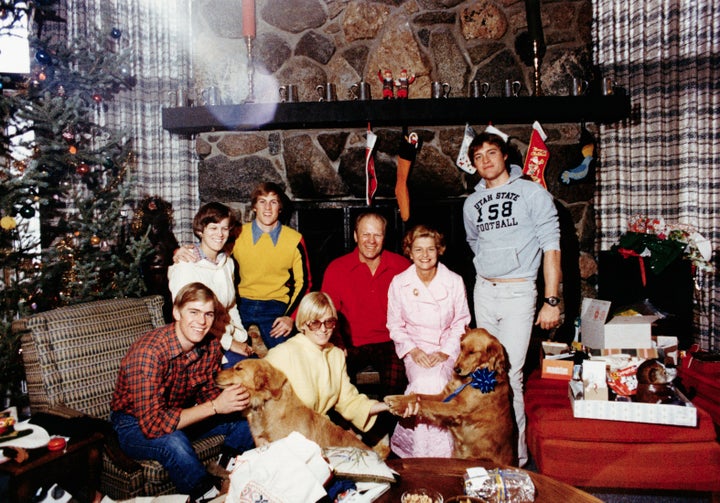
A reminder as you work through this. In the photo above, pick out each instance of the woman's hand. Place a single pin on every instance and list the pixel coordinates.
(427, 360)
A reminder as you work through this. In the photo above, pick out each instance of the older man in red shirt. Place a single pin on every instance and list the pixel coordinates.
(358, 284)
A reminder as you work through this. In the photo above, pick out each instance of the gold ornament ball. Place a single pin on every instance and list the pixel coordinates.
(95, 240)
(8, 223)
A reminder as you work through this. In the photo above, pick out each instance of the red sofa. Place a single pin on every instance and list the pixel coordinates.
(594, 453)
(700, 381)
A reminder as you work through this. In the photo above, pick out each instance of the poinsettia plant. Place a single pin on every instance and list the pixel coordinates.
(662, 243)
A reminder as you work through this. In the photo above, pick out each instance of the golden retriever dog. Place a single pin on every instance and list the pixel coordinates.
(481, 423)
(275, 410)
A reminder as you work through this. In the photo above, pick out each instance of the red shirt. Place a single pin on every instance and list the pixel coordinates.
(157, 379)
(361, 297)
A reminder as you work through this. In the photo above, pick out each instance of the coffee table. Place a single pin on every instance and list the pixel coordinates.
(446, 477)
(76, 469)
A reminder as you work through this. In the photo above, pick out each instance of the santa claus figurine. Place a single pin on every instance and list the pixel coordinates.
(388, 84)
(403, 83)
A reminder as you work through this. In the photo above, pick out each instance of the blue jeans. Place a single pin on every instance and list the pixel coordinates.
(174, 450)
(263, 313)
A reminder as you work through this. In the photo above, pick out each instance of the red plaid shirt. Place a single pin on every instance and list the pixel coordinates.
(157, 379)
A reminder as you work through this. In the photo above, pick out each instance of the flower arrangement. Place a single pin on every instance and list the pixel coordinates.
(662, 243)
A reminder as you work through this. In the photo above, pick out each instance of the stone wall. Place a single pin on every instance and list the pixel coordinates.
(309, 42)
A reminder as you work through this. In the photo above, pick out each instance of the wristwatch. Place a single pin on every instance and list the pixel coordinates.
(553, 301)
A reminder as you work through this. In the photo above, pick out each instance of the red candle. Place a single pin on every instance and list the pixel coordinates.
(248, 18)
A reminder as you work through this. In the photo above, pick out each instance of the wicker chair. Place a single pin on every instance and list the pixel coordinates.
(72, 357)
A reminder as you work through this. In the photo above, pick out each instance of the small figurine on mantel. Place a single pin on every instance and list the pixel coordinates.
(403, 83)
(388, 89)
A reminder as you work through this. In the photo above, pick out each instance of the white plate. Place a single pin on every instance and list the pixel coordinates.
(38, 438)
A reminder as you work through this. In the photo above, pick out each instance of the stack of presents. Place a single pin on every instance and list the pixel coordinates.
(622, 409)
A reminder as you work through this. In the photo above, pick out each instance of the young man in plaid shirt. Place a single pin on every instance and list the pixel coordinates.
(165, 395)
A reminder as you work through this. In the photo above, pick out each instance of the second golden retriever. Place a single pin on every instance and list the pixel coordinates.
(275, 410)
(479, 418)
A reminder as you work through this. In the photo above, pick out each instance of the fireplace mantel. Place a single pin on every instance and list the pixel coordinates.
(412, 112)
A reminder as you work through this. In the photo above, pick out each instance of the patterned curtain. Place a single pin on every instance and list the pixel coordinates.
(158, 35)
(665, 163)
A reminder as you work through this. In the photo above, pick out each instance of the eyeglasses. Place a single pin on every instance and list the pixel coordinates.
(316, 324)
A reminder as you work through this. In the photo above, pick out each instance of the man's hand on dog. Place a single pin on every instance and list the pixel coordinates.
(403, 405)
(234, 398)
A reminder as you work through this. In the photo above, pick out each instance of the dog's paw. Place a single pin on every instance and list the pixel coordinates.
(398, 404)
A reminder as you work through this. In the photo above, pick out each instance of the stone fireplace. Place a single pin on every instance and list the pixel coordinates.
(310, 42)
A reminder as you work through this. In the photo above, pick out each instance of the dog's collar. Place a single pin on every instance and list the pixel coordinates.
(482, 379)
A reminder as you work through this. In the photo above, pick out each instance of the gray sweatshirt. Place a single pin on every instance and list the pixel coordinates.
(509, 227)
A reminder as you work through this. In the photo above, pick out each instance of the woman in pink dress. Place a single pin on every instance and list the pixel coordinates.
(427, 315)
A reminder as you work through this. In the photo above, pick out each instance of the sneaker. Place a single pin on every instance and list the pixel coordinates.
(211, 494)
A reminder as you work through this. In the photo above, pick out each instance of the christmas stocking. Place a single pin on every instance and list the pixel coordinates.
(370, 176)
(463, 161)
(493, 130)
(537, 155)
(409, 148)
(587, 148)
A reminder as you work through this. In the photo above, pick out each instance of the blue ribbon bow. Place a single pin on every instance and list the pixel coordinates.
(482, 379)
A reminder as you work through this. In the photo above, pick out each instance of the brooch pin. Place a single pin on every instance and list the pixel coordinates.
(415, 292)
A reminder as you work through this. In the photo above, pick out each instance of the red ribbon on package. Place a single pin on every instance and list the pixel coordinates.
(627, 253)
(537, 155)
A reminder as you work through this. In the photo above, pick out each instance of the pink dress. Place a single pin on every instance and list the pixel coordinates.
(431, 318)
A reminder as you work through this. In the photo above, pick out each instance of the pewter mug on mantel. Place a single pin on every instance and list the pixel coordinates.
(326, 92)
(360, 91)
(288, 93)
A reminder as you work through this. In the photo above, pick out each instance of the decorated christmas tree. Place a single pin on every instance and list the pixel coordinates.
(66, 188)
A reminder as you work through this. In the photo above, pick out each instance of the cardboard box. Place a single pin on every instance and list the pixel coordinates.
(678, 415)
(619, 332)
(557, 362)
(557, 369)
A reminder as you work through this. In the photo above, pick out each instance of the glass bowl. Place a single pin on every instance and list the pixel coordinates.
(466, 499)
(421, 495)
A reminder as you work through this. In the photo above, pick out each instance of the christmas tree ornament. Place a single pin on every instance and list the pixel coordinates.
(105, 246)
(20, 166)
(537, 155)
(42, 77)
(8, 223)
(42, 57)
(97, 98)
(95, 240)
(61, 91)
(68, 135)
(73, 149)
(27, 211)
(115, 33)
(82, 169)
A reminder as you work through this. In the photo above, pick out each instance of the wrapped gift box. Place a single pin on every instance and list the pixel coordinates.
(619, 332)
(679, 415)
